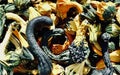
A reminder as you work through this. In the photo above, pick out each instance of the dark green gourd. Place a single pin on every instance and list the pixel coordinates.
(109, 69)
(44, 63)
(64, 56)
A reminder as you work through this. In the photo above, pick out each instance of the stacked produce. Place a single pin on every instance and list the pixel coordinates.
(60, 37)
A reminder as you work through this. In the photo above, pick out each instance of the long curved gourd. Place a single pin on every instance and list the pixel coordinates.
(44, 64)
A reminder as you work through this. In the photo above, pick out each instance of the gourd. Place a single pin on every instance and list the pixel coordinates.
(88, 13)
(108, 70)
(104, 9)
(9, 58)
(64, 56)
(44, 63)
(21, 4)
(113, 29)
(78, 50)
(67, 4)
(18, 19)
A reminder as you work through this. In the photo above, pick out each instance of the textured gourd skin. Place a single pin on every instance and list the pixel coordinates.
(44, 63)
(109, 68)
(79, 53)
(72, 55)
(64, 56)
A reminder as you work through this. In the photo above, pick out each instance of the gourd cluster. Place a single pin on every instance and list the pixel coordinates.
(60, 37)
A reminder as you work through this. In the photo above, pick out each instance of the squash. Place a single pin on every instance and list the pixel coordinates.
(88, 13)
(105, 10)
(66, 4)
(77, 51)
(108, 70)
(44, 63)
(62, 57)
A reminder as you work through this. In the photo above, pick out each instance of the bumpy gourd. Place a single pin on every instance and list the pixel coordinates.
(78, 51)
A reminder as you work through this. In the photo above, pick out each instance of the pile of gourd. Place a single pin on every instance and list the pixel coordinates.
(60, 37)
